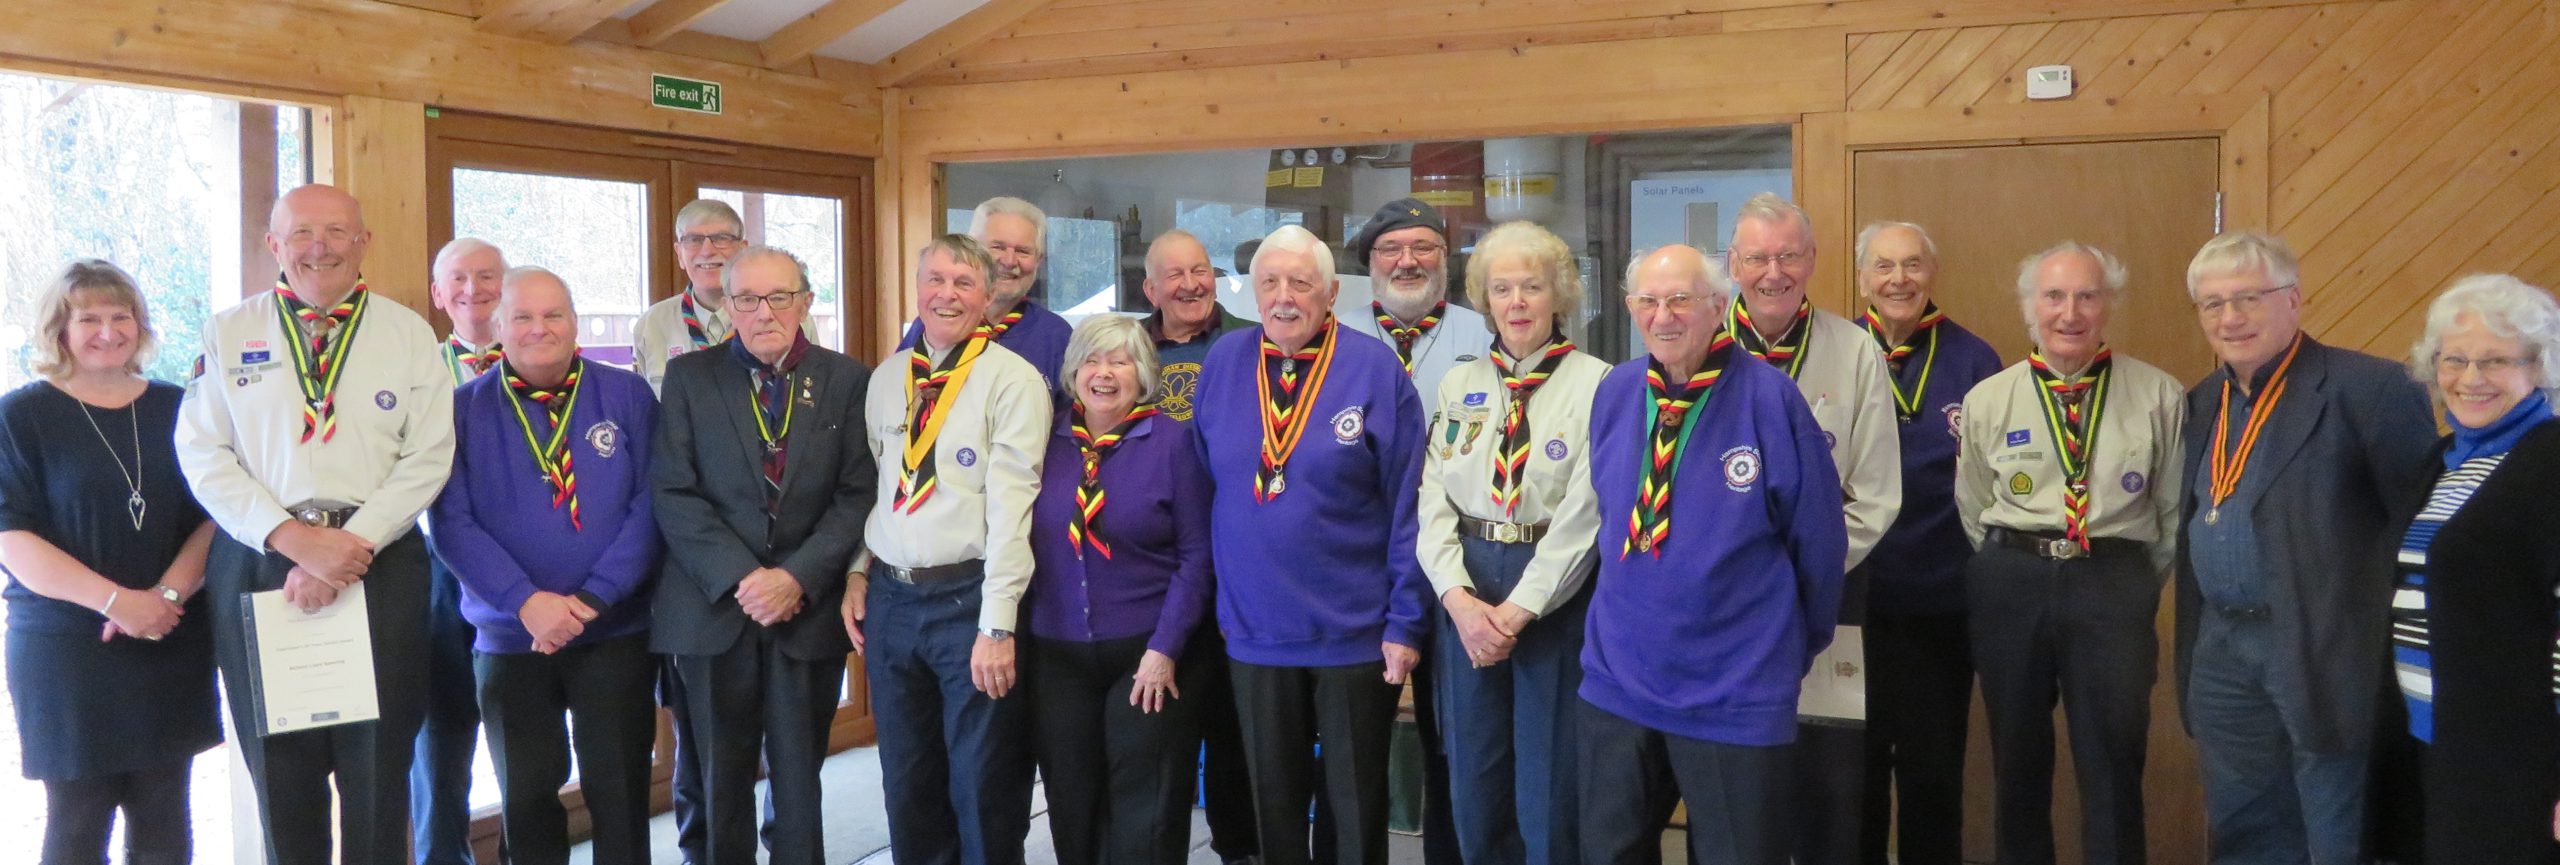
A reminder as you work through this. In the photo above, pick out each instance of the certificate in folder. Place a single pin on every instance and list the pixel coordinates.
(312, 670)
(1835, 690)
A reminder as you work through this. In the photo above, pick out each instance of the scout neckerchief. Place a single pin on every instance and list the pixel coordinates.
(319, 364)
(2072, 411)
(1285, 414)
(468, 364)
(1511, 462)
(1404, 337)
(2228, 465)
(1004, 323)
(1788, 352)
(1907, 404)
(693, 322)
(1670, 415)
(552, 454)
(1089, 483)
(771, 405)
(932, 394)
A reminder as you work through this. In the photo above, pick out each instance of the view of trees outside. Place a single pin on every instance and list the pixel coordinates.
(1081, 275)
(593, 233)
(807, 226)
(1223, 227)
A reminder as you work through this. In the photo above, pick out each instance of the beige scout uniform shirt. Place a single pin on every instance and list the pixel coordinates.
(2009, 468)
(660, 335)
(1457, 477)
(987, 471)
(1845, 380)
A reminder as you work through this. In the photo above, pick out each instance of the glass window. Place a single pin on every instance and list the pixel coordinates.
(808, 226)
(605, 260)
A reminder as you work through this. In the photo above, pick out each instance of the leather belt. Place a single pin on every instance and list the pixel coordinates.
(936, 573)
(1501, 533)
(2052, 545)
(319, 517)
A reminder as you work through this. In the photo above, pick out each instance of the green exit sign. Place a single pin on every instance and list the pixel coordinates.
(684, 94)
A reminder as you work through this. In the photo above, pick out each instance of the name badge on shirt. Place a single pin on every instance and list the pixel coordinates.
(2016, 438)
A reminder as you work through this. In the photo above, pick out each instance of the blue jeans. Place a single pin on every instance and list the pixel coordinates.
(2267, 801)
(440, 770)
(1509, 728)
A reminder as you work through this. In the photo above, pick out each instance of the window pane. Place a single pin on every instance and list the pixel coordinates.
(808, 226)
(592, 232)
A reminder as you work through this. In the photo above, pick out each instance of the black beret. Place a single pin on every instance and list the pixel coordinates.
(1398, 214)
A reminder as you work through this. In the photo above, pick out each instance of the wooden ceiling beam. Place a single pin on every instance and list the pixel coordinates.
(668, 18)
(799, 39)
(939, 46)
(553, 21)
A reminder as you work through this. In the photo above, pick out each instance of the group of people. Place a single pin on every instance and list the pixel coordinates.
(1085, 551)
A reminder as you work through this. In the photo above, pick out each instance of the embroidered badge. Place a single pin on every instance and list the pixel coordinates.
(1555, 450)
(255, 343)
(967, 457)
(604, 438)
(250, 357)
(1830, 441)
(2016, 438)
(2133, 482)
(1955, 419)
(2020, 484)
(675, 351)
(384, 400)
(1347, 425)
(1476, 398)
(1465, 358)
(1181, 380)
(1741, 468)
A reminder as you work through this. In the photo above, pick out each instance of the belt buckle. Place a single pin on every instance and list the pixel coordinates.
(311, 516)
(903, 575)
(2063, 549)
(1508, 533)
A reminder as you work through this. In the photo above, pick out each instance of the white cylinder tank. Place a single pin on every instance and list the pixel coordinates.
(1523, 179)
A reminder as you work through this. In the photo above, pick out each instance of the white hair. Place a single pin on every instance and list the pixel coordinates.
(1012, 206)
(1545, 252)
(1712, 278)
(2111, 271)
(1104, 334)
(1292, 238)
(516, 276)
(2241, 252)
(1769, 208)
(462, 246)
(2503, 305)
(1867, 238)
(703, 210)
(729, 274)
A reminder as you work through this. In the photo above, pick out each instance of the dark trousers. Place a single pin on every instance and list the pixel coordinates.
(1286, 711)
(1226, 786)
(955, 765)
(2268, 800)
(1118, 779)
(80, 813)
(1920, 694)
(603, 689)
(685, 787)
(440, 768)
(1831, 765)
(1633, 776)
(1509, 728)
(368, 761)
(2079, 631)
(753, 700)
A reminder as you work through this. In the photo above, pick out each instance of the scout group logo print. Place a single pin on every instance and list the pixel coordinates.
(604, 438)
(385, 400)
(1555, 450)
(1346, 425)
(1741, 468)
(968, 457)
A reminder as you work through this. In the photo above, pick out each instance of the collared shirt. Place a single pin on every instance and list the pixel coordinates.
(1178, 363)
(2009, 468)
(987, 470)
(1918, 566)
(240, 429)
(1847, 384)
(2225, 550)
(1155, 518)
(660, 335)
(1460, 337)
(1461, 443)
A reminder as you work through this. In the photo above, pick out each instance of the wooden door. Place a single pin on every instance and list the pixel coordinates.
(2151, 203)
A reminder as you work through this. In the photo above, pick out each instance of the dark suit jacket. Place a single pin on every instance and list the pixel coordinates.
(709, 483)
(2346, 443)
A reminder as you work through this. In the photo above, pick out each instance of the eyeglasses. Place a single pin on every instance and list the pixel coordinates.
(777, 300)
(1783, 259)
(2453, 365)
(2246, 302)
(1423, 249)
(695, 241)
(1645, 304)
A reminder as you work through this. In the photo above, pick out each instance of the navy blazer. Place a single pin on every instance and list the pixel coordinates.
(2349, 439)
(708, 479)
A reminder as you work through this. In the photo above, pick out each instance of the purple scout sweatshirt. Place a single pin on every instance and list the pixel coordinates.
(1918, 566)
(1155, 517)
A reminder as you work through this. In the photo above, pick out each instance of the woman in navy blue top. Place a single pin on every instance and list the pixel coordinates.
(1120, 580)
(110, 664)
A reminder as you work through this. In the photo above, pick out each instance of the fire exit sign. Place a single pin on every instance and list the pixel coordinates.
(684, 94)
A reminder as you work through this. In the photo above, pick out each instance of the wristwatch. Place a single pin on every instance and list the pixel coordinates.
(998, 634)
(170, 595)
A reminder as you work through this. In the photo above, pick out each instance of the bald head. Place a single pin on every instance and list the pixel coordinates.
(318, 238)
(1676, 296)
(538, 321)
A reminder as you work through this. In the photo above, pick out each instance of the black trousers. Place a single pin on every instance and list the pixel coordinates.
(685, 787)
(449, 736)
(1118, 779)
(80, 813)
(1831, 765)
(602, 688)
(2079, 631)
(1286, 712)
(1633, 776)
(1226, 785)
(756, 700)
(1920, 695)
(369, 761)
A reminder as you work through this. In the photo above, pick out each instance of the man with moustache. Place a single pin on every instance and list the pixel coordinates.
(1016, 233)
(959, 428)
(467, 275)
(2295, 454)
(1307, 425)
(1709, 477)
(547, 521)
(1837, 368)
(317, 428)
(760, 491)
(1919, 664)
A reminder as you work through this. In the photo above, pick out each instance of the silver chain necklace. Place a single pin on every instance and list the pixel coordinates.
(133, 476)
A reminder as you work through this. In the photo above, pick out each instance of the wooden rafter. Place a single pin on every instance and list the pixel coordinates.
(667, 18)
(960, 35)
(813, 31)
(556, 21)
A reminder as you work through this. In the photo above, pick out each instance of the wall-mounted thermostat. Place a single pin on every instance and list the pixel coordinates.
(2049, 82)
